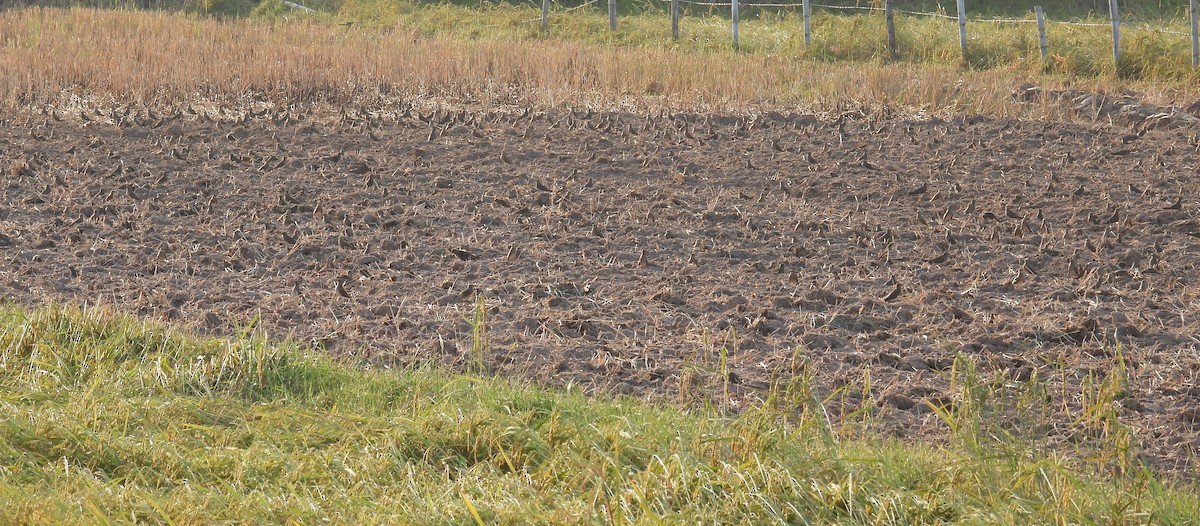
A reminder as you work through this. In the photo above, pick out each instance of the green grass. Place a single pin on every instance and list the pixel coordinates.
(1150, 51)
(110, 420)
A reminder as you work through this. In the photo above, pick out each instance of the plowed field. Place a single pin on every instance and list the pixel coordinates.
(621, 251)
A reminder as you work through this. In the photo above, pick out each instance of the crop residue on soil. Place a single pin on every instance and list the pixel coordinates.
(613, 250)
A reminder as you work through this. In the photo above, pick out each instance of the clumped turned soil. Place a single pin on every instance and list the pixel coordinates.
(623, 251)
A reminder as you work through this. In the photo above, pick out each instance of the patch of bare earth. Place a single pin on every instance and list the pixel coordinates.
(609, 247)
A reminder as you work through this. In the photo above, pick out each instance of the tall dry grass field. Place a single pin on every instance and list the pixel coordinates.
(153, 57)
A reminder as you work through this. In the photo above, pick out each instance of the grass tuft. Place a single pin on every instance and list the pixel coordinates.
(108, 419)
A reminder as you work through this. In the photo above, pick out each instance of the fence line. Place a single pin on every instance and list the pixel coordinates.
(1115, 16)
(1194, 11)
(1043, 43)
(744, 5)
(962, 27)
(806, 9)
(736, 6)
(675, 20)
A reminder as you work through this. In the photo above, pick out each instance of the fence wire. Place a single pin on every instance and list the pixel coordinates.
(567, 10)
(744, 5)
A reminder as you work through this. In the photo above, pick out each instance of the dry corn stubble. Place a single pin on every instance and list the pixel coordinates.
(120, 56)
(604, 243)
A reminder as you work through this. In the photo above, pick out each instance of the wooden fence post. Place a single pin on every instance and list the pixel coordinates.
(1041, 22)
(675, 20)
(807, 8)
(1195, 11)
(734, 6)
(1114, 13)
(890, 17)
(612, 15)
(962, 28)
(545, 15)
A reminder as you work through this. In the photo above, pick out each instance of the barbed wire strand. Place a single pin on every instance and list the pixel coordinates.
(567, 10)
(581, 6)
(1165, 31)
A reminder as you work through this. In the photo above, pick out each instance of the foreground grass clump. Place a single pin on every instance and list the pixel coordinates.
(106, 419)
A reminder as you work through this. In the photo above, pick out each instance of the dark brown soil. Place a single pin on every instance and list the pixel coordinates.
(622, 251)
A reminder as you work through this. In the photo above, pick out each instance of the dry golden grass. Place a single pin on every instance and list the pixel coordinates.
(151, 57)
